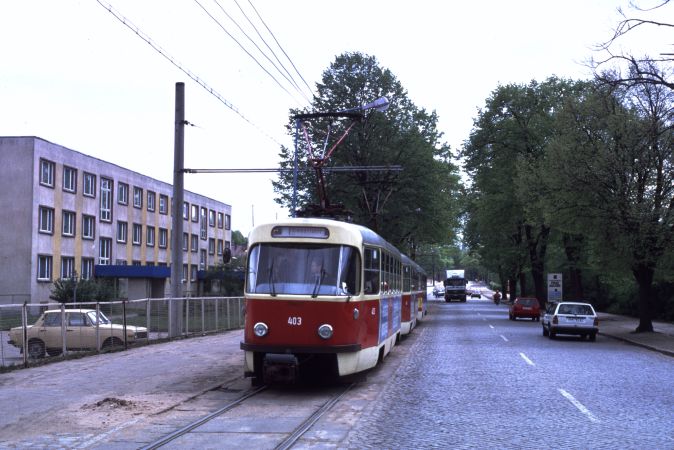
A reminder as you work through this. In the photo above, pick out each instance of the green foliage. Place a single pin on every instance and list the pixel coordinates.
(420, 204)
(238, 238)
(70, 290)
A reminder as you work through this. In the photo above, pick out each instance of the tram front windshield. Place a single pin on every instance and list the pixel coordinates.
(303, 269)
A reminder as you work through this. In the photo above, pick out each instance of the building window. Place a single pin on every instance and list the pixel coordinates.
(184, 273)
(105, 253)
(137, 234)
(211, 246)
(46, 220)
(202, 224)
(193, 273)
(151, 200)
(137, 197)
(163, 238)
(136, 262)
(47, 169)
(120, 262)
(122, 193)
(122, 232)
(87, 268)
(68, 228)
(194, 243)
(220, 220)
(186, 238)
(163, 204)
(106, 200)
(67, 267)
(186, 210)
(211, 218)
(202, 259)
(195, 213)
(219, 247)
(150, 236)
(228, 221)
(44, 267)
(89, 186)
(69, 179)
(88, 227)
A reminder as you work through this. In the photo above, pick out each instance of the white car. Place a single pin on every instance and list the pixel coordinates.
(80, 329)
(570, 318)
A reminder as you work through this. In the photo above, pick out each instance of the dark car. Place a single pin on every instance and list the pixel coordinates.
(525, 307)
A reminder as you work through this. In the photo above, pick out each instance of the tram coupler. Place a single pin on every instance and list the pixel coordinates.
(280, 368)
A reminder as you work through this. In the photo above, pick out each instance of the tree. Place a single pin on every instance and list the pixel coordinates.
(417, 205)
(626, 68)
(238, 238)
(503, 155)
(613, 164)
(69, 290)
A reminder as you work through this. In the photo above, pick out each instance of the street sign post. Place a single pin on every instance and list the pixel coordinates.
(554, 287)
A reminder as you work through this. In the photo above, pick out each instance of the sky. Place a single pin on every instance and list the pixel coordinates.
(75, 75)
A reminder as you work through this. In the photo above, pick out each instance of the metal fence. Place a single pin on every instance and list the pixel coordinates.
(38, 332)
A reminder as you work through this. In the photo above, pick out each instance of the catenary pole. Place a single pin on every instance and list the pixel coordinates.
(175, 308)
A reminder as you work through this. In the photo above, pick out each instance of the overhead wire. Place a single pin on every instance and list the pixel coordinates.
(245, 50)
(285, 74)
(187, 72)
(272, 51)
(279, 45)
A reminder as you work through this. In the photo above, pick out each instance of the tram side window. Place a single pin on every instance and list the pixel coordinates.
(371, 272)
(385, 271)
(407, 278)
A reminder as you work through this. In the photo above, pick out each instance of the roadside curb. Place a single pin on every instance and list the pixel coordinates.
(639, 344)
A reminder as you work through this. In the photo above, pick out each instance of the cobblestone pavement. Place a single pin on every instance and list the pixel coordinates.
(465, 378)
(474, 379)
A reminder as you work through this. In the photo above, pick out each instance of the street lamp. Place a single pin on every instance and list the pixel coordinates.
(381, 104)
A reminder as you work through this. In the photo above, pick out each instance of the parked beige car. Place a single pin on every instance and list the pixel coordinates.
(45, 335)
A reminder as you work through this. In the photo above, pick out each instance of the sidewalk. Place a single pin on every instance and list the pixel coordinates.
(622, 328)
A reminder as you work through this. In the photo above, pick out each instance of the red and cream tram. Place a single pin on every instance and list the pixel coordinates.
(414, 294)
(319, 294)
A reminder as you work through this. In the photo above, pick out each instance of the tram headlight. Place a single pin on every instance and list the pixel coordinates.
(325, 331)
(260, 329)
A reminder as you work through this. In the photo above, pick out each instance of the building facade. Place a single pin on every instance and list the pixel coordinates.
(66, 213)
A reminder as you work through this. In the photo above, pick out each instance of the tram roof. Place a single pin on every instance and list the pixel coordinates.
(262, 233)
(407, 260)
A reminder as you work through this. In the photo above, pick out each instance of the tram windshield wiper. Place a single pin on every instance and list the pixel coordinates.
(319, 281)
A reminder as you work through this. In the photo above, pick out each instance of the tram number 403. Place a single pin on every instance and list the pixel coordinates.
(295, 321)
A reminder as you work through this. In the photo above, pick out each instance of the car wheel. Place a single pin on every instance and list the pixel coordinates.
(552, 334)
(36, 348)
(54, 351)
(112, 342)
(545, 331)
(593, 337)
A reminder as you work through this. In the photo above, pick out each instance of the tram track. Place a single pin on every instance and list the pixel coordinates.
(290, 437)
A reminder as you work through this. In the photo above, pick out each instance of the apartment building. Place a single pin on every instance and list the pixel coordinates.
(65, 213)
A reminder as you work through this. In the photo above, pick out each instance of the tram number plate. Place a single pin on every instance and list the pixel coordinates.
(294, 321)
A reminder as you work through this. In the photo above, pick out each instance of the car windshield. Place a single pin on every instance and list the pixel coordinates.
(579, 310)
(102, 320)
(303, 269)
